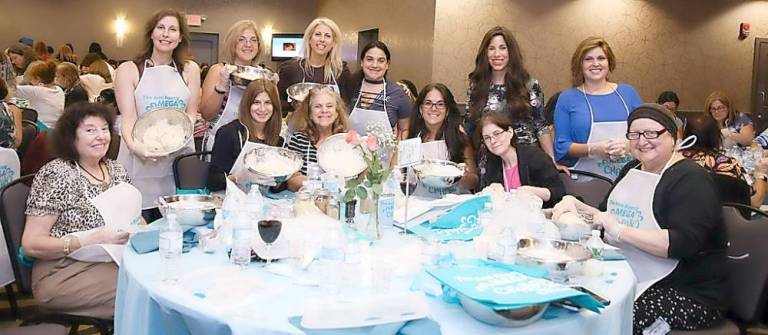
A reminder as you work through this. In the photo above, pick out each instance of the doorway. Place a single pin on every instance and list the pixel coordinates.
(759, 100)
(204, 47)
(364, 37)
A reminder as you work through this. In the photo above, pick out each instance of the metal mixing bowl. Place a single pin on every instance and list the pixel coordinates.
(329, 151)
(516, 317)
(422, 171)
(299, 91)
(560, 258)
(244, 75)
(173, 116)
(263, 154)
(191, 209)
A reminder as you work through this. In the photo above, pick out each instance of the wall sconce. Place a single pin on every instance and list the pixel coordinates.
(121, 28)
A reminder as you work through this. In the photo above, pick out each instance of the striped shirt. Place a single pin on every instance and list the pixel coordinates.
(300, 143)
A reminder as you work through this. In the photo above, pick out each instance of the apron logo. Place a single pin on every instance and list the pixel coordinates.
(162, 102)
(6, 175)
(612, 167)
(628, 215)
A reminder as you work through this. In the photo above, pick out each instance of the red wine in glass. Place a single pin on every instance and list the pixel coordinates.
(410, 187)
(269, 230)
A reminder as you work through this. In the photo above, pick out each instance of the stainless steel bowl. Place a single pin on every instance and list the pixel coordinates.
(190, 209)
(336, 146)
(516, 317)
(299, 91)
(560, 258)
(422, 171)
(264, 154)
(173, 117)
(244, 75)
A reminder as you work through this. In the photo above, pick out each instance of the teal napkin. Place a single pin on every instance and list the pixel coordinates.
(466, 212)
(413, 327)
(466, 231)
(204, 191)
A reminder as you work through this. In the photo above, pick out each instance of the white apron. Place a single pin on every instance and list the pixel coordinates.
(361, 117)
(159, 87)
(230, 113)
(601, 131)
(434, 150)
(238, 169)
(632, 203)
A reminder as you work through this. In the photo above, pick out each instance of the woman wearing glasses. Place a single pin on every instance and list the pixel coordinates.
(664, 214)
(517, 166)
(438, 124)
(735, 126)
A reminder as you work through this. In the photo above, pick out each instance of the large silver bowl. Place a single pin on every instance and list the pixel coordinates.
(299, 91)
(334, 150)
(560, 258)
(258, 159)
(190, 209)
(244, 75)
(437, 181)
(516, 317)
(155, 117)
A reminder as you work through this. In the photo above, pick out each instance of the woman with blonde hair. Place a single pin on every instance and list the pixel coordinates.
(321, 61)
(735, 126)
(68, 79)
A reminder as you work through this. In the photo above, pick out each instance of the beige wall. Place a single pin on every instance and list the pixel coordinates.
(406, 26)
(688, 46)
(80, 21)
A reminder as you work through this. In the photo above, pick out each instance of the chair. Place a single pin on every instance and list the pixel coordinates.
(13, 198)
(733, 190)
(591, 188)
(9, 171)
(29, 114)
(190, 171)
(747, 267)
(29, 132)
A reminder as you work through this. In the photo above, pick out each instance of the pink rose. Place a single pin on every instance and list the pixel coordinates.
(352, 137)
(371, 143)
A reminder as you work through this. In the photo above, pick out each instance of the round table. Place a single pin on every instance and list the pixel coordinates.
(215, 297)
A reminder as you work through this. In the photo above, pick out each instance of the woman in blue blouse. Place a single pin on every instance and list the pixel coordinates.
(735, 126)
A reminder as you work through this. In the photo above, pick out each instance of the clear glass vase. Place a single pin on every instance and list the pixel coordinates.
(373, 228)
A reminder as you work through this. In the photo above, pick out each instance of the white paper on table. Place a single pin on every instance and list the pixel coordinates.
(418, 206)
(367, 312)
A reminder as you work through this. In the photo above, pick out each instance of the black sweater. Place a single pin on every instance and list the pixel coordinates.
(686, 204)
(535, 168)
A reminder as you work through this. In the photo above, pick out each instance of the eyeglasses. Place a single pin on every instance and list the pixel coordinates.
(648, 134)
(494, 136)
(718, 108)
(440, 105)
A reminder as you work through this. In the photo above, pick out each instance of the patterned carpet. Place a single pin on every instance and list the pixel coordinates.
(27, 306)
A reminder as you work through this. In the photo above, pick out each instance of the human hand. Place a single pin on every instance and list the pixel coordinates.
(224, 73)
(103, 236)
(563, 169)
(613, 229)
(761, 167)
(598, 150)
(567, 205)
(617, 147)
(727, 133)
(144, 153)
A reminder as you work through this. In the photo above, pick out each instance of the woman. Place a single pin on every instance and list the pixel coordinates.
(221, 100)
(97, 79)
(378, 99)
(321, 62)
(42, 93)
(735, 126)
(21, 56)
(590, 118)
(669, 100)
(259, 122)
(438, 124)
(707, 152)
(321, 115)
(518, 166)
(665, 215)
(66, 55)
(41, 50)
(163, 75)
(63, 215)
(68, 79)
(10, 121)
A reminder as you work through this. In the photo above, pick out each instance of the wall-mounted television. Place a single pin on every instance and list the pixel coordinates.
(286, 46)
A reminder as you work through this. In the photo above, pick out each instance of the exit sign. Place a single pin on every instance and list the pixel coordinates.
(194, 20)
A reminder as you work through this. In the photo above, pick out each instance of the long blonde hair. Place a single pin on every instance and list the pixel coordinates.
(234, 34)
(303, 121)
(333, 64)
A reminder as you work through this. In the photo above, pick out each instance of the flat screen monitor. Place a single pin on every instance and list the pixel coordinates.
(286, 46)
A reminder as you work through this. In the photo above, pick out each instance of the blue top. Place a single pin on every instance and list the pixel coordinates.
(572, 119)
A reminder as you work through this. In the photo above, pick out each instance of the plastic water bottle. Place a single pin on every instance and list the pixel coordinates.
(506, 246)
(486, 215)
(241, 241)
(253, 204)
(332, 259)
(170, 248)
(595, 245)
(313, 176)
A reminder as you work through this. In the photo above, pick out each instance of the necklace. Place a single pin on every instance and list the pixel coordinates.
(103, 175)
(380, 81)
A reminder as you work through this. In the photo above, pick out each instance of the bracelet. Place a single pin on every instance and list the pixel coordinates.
(219, 91)
(67, 244)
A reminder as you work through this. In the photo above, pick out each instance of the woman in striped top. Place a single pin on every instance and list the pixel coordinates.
(321, 115)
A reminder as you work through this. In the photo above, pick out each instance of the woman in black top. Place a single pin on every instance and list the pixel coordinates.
(522, 167)
(259, 122)
(671, 219)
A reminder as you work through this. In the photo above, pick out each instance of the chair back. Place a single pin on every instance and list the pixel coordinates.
(747, 261)
(190, 171)
(29, 114)
(733, 190)
(13, 203)
(10, 165)
(591, 188)
(29, 132)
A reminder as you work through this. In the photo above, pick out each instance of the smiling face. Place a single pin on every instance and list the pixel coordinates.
(497, 140)
(374, 64)
(166, 35)
(595, 65)
(322, 40)
(433, 110)
(498, 54)
(247, 47)
(651, 151)
(719, 111)
(261, 108)
(322, 110)
(92, 138)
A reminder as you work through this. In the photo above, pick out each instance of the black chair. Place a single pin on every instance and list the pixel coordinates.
(747, 267)
(734, 191)
(29, 114)
(190, 171)
(591, 188)
(13, 202)
(29, 132)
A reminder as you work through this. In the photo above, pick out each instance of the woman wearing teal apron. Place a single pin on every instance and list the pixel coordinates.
(664, 214)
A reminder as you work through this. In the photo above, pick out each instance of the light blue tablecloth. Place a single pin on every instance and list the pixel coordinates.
(145, 305)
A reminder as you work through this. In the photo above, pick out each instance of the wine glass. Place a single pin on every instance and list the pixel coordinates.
(269, 230)
(408, 182)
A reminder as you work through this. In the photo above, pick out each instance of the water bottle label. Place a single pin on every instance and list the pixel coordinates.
(387, 210)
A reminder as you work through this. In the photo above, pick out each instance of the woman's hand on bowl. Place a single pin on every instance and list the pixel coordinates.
(569, 204)
(610, 223)
(144, 153)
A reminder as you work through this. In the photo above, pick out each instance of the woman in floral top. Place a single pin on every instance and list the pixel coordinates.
(10, 121)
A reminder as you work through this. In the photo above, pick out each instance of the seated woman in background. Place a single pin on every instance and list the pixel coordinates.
(68, 78)
(10, 121)
(736, 127)
(43, 95)
(97, 79)
(321, 115)
(61, 203)
(707, 152)
(21, 56)
(523, 167)
(438, 124)
(259, 122)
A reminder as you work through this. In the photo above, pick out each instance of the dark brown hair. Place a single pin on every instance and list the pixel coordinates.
(23, 51)
(501, 121)
(3, 89)
(272, 128)
(708, 136)
(450, 130)
(66, 127)
(181, 54)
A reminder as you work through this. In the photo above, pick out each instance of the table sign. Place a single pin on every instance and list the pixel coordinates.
(409, 152)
